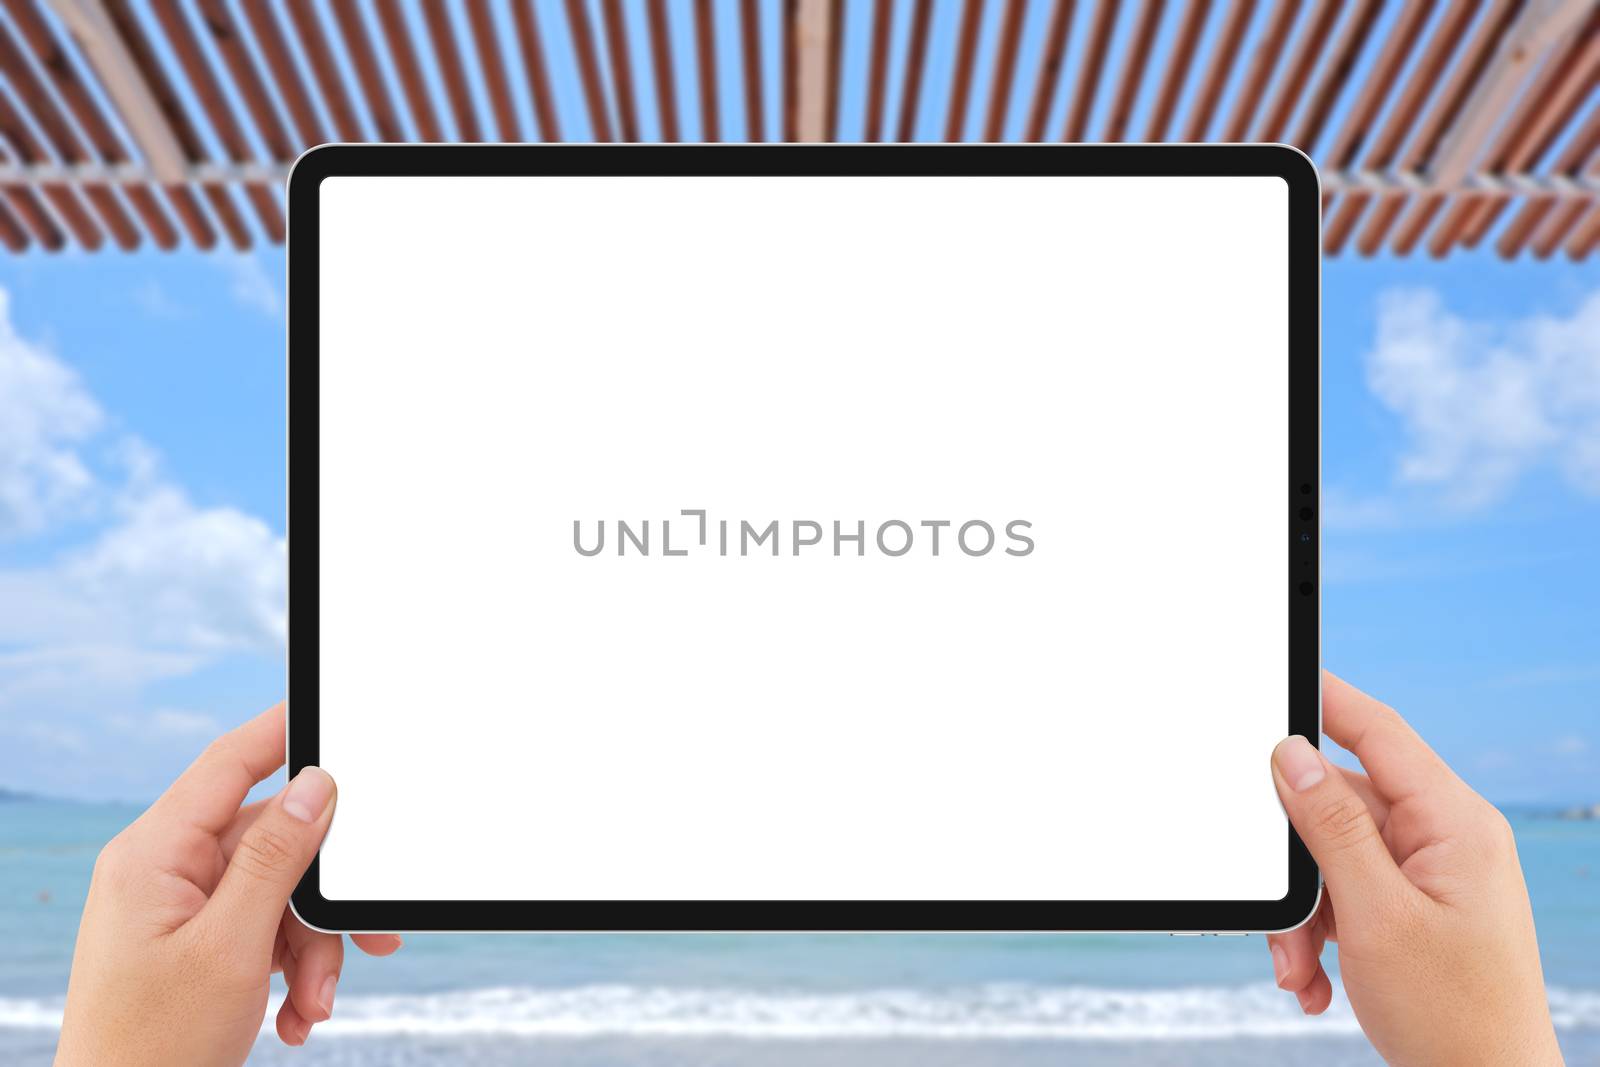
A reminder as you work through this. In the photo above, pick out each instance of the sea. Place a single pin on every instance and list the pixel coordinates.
(768, 999)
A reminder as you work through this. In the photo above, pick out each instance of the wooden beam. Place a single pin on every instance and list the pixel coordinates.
(1292, 85)
(750, 53)
(1050, 60)
(955, 119)
(359, 48)
(1105, 21)
(1262, 64)
(583, 46)
(91, 26)
(1178, 64)
(448, 56)
(705, 44)
(1399, 118)
(531, 40)
(125, 22)
(1375, 87)
(393, 21)
(1583, 144)
(615, 23)
(314, 43)
(1548, 107)
(214, 103)
(1144, 36)
(1494, 25)
(814, 31)
(916, 61)
(661, 67)
(1539, 27)
(487, 42)
(269, 38)
(1005, 69)
(36, 99)
(1223, 56)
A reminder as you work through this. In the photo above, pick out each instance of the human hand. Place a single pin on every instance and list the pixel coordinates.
(1422, 893)
(187, 917)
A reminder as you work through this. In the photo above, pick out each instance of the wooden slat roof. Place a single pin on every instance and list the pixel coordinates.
(1438, 124)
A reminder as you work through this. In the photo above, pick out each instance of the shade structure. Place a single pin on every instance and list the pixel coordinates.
(1438, 125)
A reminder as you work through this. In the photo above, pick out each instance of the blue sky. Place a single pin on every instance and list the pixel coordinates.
(1462, 584)
(141, 512)
(142, 442)
(1474, 608)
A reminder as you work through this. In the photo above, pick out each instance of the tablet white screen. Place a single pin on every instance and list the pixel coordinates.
(1069, 690)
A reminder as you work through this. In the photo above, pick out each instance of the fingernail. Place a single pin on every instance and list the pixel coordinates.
(308, 795)
(1298, 762)
(1280, 964)
(325, 998)
(1304, 997)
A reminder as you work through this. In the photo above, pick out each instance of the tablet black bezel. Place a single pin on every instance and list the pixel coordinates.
(1302, 349)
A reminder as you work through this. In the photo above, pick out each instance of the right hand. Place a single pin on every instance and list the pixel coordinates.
(1423, 895)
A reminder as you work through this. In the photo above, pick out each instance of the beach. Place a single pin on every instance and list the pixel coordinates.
(590, 1000)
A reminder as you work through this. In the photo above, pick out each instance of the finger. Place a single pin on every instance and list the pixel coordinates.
(1297, 954)
(1330, 917)
(318, 959)
(209, 793)
(1369, 796)
(280, 950)
(1336, 826)
(378, 944)
(229, 838)
(1398, 761)
(287, 962)
(292, 1027)
(1316, 996)
(270, 858)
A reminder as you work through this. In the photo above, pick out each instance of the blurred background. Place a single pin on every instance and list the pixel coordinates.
(142, 512)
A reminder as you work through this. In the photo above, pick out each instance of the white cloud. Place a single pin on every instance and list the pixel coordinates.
(183, 723)
(249, 283)
(1484, 403)
(141, 585)
(1495, 759)
(150, 298)
(45, 416)
(1343, 510)
(195, 578)
(1571, 745)
(1559, 674)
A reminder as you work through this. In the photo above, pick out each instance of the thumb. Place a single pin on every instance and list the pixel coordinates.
(1337, 827)
(270, 858)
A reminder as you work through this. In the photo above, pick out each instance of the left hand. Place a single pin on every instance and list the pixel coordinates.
(187, 917)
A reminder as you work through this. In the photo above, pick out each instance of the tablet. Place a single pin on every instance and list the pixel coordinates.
(803, 537)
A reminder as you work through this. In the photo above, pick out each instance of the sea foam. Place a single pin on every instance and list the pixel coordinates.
(990, 1012)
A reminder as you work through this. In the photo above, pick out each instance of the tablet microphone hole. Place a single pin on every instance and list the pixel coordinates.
(1305, 588)
(1305, 513)
(1305, 488)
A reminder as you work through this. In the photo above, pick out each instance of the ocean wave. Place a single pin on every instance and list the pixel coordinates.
(30, 1013)
(991, 1012)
